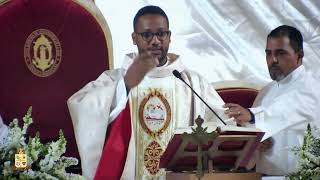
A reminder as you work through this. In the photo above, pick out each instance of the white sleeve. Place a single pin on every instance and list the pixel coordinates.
(3, 131)
(120, 101)
(91, 109)
(258, 113)
(285, 113)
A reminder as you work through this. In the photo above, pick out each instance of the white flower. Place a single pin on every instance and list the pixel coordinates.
(45, 159)
(309, 152)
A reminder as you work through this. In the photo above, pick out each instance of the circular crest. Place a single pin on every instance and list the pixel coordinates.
(154, 114)
(42, 52)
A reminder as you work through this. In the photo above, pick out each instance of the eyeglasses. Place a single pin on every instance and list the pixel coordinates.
(148, 36)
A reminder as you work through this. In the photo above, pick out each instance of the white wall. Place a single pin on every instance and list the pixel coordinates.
(221, 39)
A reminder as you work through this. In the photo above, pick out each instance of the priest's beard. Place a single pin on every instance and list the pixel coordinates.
(163, 57)
(162, 60)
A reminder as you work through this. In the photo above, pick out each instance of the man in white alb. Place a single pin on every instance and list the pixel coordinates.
(284, 107)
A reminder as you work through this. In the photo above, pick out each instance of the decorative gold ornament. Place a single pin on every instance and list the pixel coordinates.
(42, 52)
(154, 114)
(20, 160)
(152, 157)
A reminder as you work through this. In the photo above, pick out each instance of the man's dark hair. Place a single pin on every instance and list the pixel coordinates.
(148, 10)
(294, 35)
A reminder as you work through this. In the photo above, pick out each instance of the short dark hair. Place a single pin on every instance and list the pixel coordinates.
(149, 10)
(294, 35)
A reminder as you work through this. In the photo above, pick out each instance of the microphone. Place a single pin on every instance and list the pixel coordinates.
(178, 75)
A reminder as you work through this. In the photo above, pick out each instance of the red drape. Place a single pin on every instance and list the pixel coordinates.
(116, 147)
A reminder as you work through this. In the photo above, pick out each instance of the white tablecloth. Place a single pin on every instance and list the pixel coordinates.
(273, 178)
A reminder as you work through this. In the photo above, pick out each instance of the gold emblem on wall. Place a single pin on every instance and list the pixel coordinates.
(42, 52)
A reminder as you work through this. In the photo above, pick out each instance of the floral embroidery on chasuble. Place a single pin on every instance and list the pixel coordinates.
(153, 122)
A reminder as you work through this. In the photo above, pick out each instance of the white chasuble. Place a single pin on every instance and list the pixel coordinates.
(159, 104)
(154, 103)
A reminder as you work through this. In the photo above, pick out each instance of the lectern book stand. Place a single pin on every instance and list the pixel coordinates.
(211, 153)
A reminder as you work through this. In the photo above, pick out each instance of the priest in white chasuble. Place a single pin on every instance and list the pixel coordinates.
(124, 120)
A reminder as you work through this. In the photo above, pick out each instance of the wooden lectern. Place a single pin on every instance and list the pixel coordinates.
(223, 153)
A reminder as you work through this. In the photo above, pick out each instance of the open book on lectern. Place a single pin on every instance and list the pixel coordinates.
(210, 148)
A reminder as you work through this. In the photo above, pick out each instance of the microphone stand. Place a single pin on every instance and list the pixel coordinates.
(178, 75)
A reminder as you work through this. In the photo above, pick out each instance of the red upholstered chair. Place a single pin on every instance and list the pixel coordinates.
(238, 92)
(49, 50)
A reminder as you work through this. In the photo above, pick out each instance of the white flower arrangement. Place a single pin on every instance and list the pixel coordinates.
(309, 153)
(43, 161)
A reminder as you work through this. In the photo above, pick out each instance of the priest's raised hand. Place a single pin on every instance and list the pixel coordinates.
(141, 65)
